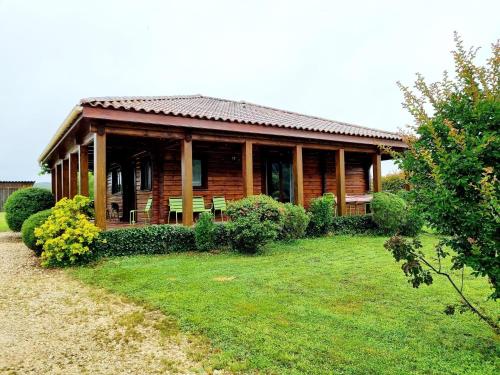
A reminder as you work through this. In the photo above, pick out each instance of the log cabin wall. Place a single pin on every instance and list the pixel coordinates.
(224, 175)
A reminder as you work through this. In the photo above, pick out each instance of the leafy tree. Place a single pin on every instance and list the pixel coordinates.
(452, 166)
(393, 182)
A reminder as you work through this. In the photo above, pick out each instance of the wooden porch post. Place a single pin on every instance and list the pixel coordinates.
(100, 178)
(65, 179)
(298, 175)
(247, 167)
(59, 194)
(187, 180)
(83, 161)
(73, 175)
(377, 172)
(340, 177)
(53, 180)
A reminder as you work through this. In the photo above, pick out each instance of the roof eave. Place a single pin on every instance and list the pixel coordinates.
(63, 128)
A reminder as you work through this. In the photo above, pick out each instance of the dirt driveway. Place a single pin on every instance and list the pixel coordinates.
(52, 324)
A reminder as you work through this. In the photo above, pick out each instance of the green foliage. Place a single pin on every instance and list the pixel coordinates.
(221, 235)
(28, 230)
(321, 212)
(67, 235)
(255, 221)
(204, 232)
(357, 224)
(152, 239)
(295, 221)
(453, 158)
(389, 212)
(393, 182)
(25, 202)
(263, 206)
(3, 224)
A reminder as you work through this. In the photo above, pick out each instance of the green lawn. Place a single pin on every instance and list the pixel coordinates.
(3, 223)
(331, 305)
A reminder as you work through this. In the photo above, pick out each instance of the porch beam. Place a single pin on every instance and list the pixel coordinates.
(83, 168)
(100, 178)
(340, 178)
(247, 167)
(65, 179)
(187, 180)
(298, 175)
(73, 175)
(377, 172)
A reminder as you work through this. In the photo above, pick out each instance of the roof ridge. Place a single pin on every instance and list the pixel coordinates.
(130, 98)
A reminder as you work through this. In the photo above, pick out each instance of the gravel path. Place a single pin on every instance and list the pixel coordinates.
(52, 324)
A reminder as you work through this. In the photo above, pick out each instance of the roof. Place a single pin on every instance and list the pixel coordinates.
(210, 108)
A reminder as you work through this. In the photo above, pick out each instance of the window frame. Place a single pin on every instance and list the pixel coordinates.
(146, 168)
(204, 172)
(116, 180)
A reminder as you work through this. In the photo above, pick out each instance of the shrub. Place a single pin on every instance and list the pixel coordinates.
(28, 230)
(248, 234)
(221, 235)
(265, 207)
(393, 182)
(255, 221)
(295, 221)
(359, 224)
(67, 235)
(414, 220)
(25, 202)
(153, 239)
(321, 213)
(204, 232)
(389, 212)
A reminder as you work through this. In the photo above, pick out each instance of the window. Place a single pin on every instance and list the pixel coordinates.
(146, 175)
(199, 173)
(116, 181)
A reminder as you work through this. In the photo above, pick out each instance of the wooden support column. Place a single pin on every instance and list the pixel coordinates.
(53, 184)
(187, 180)
(340, 177)
(247, 167)
(73, 175)
(83, 167)
(298, 175)
(59, 193)
(100, 178)
(377, 173)
(65, 179)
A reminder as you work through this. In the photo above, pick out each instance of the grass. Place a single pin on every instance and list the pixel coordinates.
(331, 305)
(3, 223)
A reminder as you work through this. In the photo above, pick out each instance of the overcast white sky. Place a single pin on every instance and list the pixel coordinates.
(335, 59)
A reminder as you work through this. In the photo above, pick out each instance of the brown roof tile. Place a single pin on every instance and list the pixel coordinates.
(204, 107)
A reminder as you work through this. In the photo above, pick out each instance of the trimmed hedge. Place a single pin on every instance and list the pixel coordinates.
(362, 224)
(295, 222)
(28, 230)
(25, 202)
(204, 232)
(153, 239)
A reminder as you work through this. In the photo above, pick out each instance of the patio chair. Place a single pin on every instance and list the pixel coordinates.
(199, 205)
(146, 211)
(174, 206)
(219, 204)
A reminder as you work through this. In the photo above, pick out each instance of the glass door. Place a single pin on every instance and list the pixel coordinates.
(279, 180)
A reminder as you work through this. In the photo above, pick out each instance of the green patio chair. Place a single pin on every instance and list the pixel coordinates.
(174, 206)
(219, 204)
(199, 205)
(146, 211)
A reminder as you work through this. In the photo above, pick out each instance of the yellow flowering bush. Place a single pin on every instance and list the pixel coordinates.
(67, 235)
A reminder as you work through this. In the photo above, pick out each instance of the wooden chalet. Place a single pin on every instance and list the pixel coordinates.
(160, 147)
